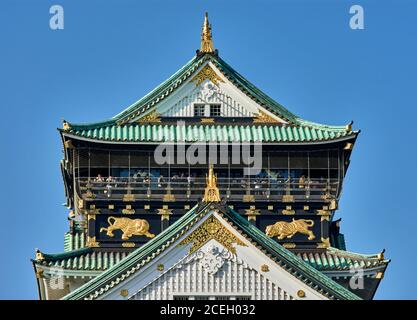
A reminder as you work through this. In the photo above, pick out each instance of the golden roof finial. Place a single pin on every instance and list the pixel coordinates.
(206, 39)
(211, 193)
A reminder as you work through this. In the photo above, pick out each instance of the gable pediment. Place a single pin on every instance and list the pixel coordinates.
(205, 87)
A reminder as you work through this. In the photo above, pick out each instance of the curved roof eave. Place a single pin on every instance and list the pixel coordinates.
(162, 91)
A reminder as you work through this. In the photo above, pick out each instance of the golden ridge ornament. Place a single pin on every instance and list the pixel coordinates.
(212, 229)
(282, 229)
(211, 193)
(129, 227)
(206, 73)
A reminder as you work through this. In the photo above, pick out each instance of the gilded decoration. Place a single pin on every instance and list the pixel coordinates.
(301, 294)
(206, 73)
(289, 245)
(128, 244)
(286, 230)
(262, 117)
(212, 229)
(287, 198)
(39, 255)
(207, 120)
(264, 268)
(129, 227)
(92, 243)
(325, 243)
(252, 213)
(206, 38)
(66, 126)
(211, 193)
(165, 213)
(152, 117)
(128, 197)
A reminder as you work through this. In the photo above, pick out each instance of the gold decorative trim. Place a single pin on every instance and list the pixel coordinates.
(324, 218)
(211, 193)
(248, 198)
(128, 210)
(39, 255)
(348, 146)
(206, 73)
(306, 208)
(128, 197)
(164, 213)
(160, 267)
(124, 293)
(89, 194)
(379, 275)
(323, 212)
(207, 120)
(270, 208)
(252, 213)
(325, 243)
(287, 198)
(349, 127)
(288, 211)
(65, 125)
(333, 204)
(68, 144)
(381, 255)
(92, 243)
(128, 244)
(212, 229)
(187, 207)
(111, 206)
(146, 207)
(169, 197)
(151, 117)
(262, 117)
(264, 268)
(301, 294)
(289, 245)
(39, 273)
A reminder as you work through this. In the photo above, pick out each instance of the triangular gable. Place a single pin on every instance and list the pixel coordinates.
(190, 236)
(231, 83)
(207, 85)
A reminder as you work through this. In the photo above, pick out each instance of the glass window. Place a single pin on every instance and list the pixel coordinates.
(199, 110)
(215, 110)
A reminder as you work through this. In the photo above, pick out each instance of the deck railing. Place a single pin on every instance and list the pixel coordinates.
(234, 189)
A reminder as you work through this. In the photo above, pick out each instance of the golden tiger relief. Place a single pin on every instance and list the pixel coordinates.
(129, 227)
(282, 229)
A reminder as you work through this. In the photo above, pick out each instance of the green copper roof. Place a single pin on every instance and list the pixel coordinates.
(210, 133)
(297, 130)
(157, 245)
(336, 260)
(90, 259)
(85, 259)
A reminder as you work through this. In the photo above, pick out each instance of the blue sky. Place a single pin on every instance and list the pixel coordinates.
(302, 53)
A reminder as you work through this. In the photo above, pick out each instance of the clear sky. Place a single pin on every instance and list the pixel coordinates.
(301, 53)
